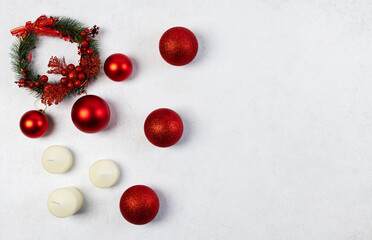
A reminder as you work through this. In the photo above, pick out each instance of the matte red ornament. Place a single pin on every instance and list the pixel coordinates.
(139, 204)
(163, 127)
(34, 124)
(118, 67)
(178, 46)
(90, 114)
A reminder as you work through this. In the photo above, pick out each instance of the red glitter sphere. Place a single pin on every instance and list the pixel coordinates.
(118, 67)
(90, 114)
(163, 127)
(178, 46)
(139, 204)
(34, 124)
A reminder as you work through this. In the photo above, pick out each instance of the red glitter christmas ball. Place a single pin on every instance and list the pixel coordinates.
(90, 114)
(34, 124)
(178, 46)
(118, 67)
(163, 127)
(139, 204)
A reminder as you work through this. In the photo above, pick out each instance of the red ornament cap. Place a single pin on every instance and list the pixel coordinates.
(139, 204)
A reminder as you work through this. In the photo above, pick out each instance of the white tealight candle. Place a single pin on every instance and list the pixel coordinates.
(57, 159)
(104, 173)
(64, 202)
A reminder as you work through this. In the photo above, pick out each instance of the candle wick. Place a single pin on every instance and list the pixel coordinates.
(56, 203)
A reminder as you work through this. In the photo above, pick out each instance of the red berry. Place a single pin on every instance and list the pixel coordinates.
(64, 80)
(37, 84)
(84, 44)
(88, 39)
(71, 75)
(44, 78)
(81, 76)
(64, 72)
(87, 30)
(83, 33)
(90, 51)
(78, 69)
(22, 81)
(77, 83)
(71, 67)
(70, 85)
(31, 85)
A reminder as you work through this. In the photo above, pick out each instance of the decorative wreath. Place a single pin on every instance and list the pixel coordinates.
(74, 78)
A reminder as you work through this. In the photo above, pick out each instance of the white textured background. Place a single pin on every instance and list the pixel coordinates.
(277, 108)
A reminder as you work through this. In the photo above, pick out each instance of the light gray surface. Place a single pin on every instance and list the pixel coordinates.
(277, 112)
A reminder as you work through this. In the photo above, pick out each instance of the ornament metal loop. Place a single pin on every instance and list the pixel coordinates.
(42, 110)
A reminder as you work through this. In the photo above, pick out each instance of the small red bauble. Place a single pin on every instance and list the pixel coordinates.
(118, 67)
(87, 30)
(83, 33)
(77, 83)
(84, 44)
(37, 84)
(70, 85)
(178, 46)
(44, 78)
(88, 39)
(63, 81)
(90, 51)
(34, 124)
(81, 76)
(90, 114)
(64, 72)
(71, 67)
(31, 85)
(78, 69)
(163, 127)
(139, 204)
(22, 81)
(72, 75)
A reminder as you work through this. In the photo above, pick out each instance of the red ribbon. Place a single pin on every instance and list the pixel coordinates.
(40, 27)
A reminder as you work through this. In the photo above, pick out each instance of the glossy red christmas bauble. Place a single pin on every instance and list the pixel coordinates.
(90, 114)
(118, 67)
(163, 127)
(34, 124)
(178, 46)
(139, 204)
